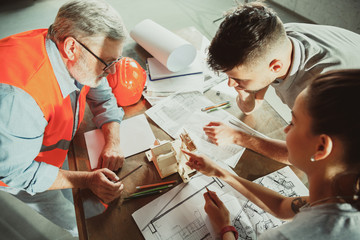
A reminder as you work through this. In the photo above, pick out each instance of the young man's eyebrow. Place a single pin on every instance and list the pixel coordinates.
(238, 79)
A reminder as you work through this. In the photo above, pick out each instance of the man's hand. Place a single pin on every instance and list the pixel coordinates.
(249, 101)
(245, 101)
(220, 133)
(102, 183)
(111, 157)
(218, 214)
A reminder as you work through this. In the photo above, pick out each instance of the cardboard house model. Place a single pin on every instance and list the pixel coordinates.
(169, 159)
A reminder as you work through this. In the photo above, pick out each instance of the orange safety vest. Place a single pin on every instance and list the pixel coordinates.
(26, 65)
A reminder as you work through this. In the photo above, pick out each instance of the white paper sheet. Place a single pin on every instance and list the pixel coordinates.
(179, 212)
(168, 48)
(135, 136)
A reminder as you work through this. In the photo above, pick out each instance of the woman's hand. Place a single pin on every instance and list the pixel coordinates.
(218, 214)
(202, 164)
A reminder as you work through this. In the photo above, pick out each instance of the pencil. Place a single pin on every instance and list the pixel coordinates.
(210, 196)
(156, 184)
(152, 190)
(215, 106)
(128, 174)
(143, 195)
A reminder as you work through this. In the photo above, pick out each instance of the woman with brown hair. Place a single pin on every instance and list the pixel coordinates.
(323, 141)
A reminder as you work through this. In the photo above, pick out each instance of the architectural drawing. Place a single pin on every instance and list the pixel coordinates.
(283, 181)
(179, 213)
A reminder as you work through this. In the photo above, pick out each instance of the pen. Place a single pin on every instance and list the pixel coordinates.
(143, 195)
(246, 128)
(152, 190)
(210, 196)
(215, 106)
(128, 174)
(156, 184)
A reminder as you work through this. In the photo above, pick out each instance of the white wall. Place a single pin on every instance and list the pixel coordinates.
(341, 13)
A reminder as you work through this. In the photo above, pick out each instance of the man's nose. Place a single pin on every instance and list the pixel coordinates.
(286, 129)
(232, 83)
(111, 70)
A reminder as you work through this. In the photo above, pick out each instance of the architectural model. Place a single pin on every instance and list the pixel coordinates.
(169, 159)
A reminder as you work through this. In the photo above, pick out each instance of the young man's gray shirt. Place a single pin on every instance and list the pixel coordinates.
(316, 49)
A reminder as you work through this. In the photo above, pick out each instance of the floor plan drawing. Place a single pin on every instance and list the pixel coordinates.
(175, 215)
(283, 181)
(193, 231)
(179, 214)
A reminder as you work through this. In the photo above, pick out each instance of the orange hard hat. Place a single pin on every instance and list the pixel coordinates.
(127, 82)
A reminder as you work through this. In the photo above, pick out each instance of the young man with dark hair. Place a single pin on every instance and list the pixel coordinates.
(255, 49)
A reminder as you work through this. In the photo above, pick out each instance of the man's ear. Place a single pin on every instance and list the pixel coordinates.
(276, 66)
(70, 48)
(323, 148)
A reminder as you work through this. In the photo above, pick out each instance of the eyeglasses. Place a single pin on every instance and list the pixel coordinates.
(107, 65)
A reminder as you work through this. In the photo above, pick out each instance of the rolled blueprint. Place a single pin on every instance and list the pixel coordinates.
(168, 48)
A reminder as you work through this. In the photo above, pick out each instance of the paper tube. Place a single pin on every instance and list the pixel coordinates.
(169, 49)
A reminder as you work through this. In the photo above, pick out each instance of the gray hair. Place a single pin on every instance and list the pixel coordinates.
(87, 18)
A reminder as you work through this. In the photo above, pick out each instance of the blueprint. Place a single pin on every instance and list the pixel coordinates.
(179, 213)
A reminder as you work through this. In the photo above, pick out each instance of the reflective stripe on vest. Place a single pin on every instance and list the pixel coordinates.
(62, 144)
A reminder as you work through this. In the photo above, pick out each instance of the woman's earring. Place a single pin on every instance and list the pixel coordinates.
(357, 189)
(312, 159)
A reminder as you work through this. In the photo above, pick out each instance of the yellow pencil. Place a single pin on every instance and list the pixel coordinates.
(215, 106)
(156, 184)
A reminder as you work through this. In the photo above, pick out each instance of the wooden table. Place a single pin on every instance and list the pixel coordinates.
(116, 222)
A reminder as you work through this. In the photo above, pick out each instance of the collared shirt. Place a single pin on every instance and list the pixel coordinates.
(316, 49)
(326, 221)
(22, 126)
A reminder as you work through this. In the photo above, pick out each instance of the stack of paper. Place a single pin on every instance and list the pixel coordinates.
(157, 71)
(178, 63)
(188, 81)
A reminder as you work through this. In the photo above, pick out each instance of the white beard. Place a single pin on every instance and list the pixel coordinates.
(82, 73)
